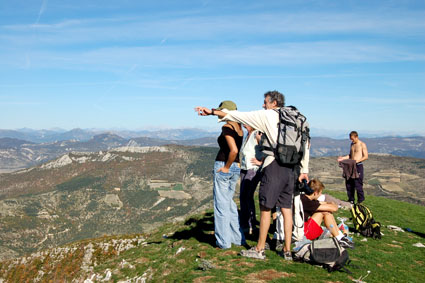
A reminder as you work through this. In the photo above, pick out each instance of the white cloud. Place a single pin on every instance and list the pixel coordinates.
(42, 9)
(219, 27)
(168, 56)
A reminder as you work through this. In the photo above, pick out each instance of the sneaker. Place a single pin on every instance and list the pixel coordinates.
(286, 255)
(253, 253)
(279, 245)
(345, 242)
(267, 246)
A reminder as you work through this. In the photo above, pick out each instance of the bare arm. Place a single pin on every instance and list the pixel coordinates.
(341, 158)
(204, 111)
(329, 207)
(365, 154)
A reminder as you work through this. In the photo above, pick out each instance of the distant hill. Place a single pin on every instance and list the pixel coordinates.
(49, 136)
(134, 189)
(400, 146)
(184, 251)
(17, 154)
(85, 195)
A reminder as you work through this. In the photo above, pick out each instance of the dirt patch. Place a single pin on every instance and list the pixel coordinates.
(166, 272)
(230, 253)
(178, 243)
(202, 279)
(267, 275)
(181, 261)
(379, 265)
(142, 260)
(395, 246)
(247, 264)
(202, 254)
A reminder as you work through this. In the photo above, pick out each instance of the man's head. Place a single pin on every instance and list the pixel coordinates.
(354, 137)
(317, 187)
(273, 99)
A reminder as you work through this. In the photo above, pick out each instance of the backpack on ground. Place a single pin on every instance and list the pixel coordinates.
(364, 222)
(325, 252)
(293, 134)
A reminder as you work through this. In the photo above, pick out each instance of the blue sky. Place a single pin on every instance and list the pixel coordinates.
(347, 65)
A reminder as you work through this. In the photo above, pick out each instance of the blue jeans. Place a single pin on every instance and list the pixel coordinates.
(226, 220)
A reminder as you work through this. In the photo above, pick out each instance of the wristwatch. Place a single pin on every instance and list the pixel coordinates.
(212, 111)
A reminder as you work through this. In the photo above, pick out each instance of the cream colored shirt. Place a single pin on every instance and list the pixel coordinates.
(248, 151)
(266, 121)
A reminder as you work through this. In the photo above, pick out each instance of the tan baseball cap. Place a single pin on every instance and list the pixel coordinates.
(227, 104)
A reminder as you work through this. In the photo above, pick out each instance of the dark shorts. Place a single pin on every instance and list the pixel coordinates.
(277, 186)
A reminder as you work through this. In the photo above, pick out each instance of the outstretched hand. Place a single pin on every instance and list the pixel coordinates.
(203, 111)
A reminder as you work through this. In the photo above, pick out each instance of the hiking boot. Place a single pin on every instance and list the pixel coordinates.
(253, 253)
(345, 242)
(286, 255)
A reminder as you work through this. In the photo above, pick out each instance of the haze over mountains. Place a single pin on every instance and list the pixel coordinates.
(25, 148)
(56, 134)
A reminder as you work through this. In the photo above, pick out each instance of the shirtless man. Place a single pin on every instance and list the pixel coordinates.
(358, 152)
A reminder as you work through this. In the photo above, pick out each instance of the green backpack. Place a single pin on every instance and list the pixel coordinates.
(364, 223)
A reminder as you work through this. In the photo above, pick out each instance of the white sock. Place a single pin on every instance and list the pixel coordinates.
(340, 235)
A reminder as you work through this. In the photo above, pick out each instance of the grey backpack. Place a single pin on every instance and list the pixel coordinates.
(325, 252)
(293, 134)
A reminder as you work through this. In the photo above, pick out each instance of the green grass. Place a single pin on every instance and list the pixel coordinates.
(392, 259)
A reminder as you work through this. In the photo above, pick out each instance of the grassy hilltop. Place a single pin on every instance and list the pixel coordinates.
(185, 252)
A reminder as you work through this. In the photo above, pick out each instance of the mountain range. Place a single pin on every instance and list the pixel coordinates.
(57, 134)
(17, 153)
(85, 195)
(134, 189)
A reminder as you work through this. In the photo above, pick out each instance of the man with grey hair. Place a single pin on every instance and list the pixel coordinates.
(277, 181)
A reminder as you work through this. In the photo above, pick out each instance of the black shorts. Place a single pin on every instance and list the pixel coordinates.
(277, 186)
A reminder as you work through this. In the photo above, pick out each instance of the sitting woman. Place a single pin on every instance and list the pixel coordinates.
(316, 212)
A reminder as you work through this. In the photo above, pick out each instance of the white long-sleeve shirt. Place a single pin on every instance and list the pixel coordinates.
(266, 121)
(248, 151)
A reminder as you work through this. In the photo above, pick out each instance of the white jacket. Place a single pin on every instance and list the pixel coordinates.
(266, 121)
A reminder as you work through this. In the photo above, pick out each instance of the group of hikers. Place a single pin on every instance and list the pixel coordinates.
(259, 159)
